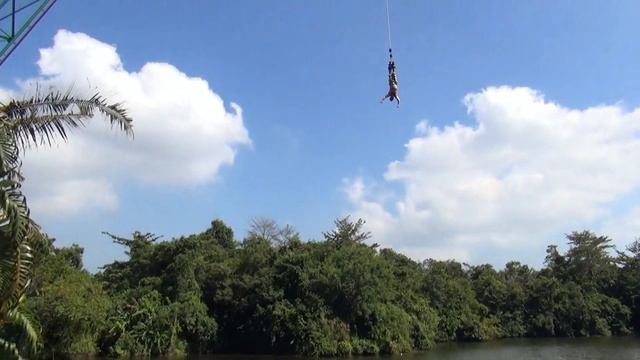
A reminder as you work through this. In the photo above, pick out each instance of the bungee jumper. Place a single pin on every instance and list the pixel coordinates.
(391, 68)
(393, 82)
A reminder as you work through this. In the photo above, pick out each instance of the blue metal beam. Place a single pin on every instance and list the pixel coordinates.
(17, 19)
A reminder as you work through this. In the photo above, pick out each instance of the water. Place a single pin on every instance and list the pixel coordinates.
(627, 348)
(595, 348)
(620, 348)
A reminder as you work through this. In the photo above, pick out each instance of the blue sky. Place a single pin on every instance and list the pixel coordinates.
(308, 76)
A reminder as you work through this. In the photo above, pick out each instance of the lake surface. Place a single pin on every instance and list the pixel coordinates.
(620, 348)
(626, 348)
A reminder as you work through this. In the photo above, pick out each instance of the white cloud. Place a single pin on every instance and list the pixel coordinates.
(72, 197)
(183, 132)
(524, 173)
(383, 222)
(624, 229)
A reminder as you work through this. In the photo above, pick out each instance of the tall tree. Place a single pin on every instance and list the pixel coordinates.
(34, 121)
(628, 287)
(347, 232)
(589, 262)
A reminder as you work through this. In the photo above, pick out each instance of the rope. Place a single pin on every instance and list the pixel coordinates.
(389, 27)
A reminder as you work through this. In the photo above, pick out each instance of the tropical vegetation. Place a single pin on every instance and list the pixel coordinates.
(272, 292)
(31, 122)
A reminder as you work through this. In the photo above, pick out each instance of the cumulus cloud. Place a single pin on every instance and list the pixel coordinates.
(623, 229)
(183, 131)
(526, 171)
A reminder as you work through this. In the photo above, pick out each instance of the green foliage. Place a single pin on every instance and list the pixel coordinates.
(347, 232)
(20, 336)
(628, 285)
(144, 326)
(222, 234)
(589, 262)
(33, 121)
(273, 293)
(69, 303)
(391, 329)
(462, 316)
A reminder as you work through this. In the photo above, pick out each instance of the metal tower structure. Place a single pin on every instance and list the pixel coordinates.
(17, 19)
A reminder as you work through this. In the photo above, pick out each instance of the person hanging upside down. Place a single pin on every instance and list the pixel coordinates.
(393, 84)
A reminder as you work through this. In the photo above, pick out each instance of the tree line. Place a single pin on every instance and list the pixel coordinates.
(272, 292)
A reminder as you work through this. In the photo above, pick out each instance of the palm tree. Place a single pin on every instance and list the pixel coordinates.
(32, 122)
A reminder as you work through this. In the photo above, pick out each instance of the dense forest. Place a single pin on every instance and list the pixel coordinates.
(274, 293)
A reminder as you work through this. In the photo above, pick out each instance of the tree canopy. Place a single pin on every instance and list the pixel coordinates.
(272, 292)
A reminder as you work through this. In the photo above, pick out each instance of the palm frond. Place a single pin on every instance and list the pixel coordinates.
(29, 337)
(40, 119)
(15, 253)
(15, 277)
(9, 350)
(14, 213)
(9, 157)
(34, 121)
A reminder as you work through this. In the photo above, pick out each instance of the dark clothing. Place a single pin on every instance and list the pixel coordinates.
(391, 67)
